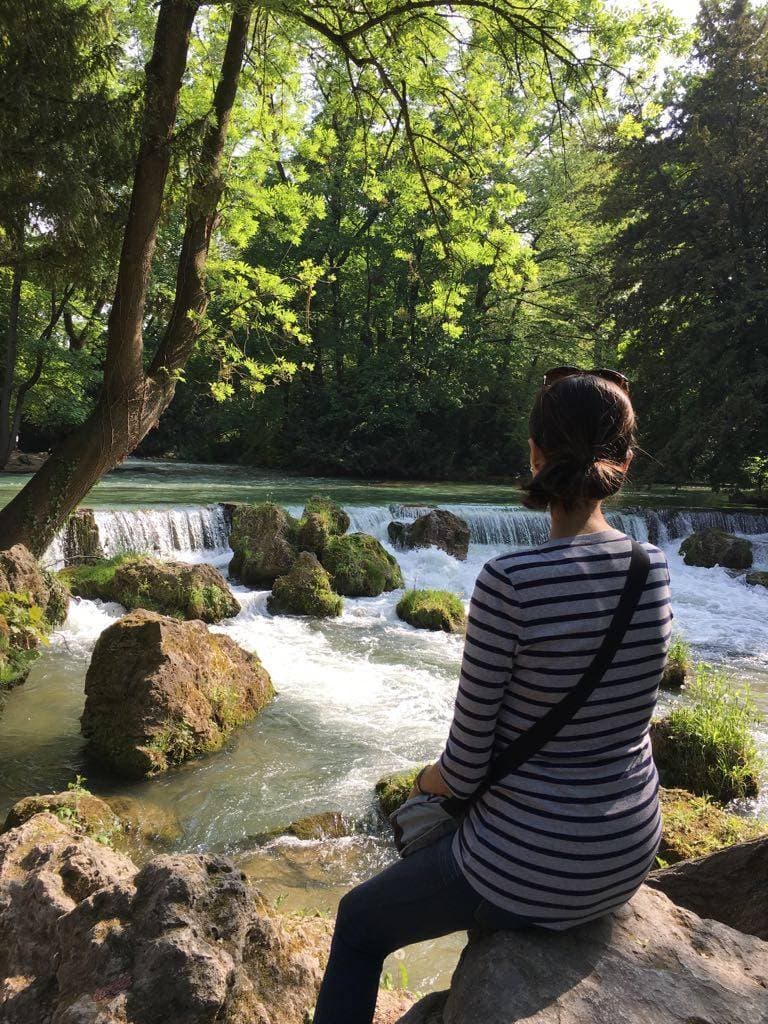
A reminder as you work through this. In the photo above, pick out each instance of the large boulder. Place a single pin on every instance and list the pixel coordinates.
(715, 886)
(651, 962)
(186, 591)
(263, 542)
(716, 547)
(305, 590)
(88, 939)
(439, 528)
(160, 691)
(333, 517)
(360, 566)
(21, 574)
(432, 609)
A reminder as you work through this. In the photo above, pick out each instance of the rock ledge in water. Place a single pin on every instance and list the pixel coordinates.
(439, 528)
(651, 962)
(432, 609)
(716, 547)
(160, 691)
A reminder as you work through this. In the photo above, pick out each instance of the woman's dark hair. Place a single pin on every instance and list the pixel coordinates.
(585, 428)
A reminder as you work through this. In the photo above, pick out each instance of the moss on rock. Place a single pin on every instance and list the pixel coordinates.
(757, 578)
(159, 692)
(716, 547)
(305, 590)
(20, 573)
(263, 542)
(360, 566)
(678, 665)
(432, 609)
(76, 807)
(323, 825)
(172, 588)
(313, 534)
(693, 826)
(333, 516)
(393, 790)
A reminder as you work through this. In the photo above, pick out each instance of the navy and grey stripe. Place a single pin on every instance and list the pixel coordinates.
(571, 834)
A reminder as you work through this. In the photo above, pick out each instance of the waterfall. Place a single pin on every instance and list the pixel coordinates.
(203, 532)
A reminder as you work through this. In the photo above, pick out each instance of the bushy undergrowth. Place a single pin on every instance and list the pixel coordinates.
(706, 745)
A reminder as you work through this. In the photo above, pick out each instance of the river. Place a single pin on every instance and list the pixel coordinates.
(357, 696)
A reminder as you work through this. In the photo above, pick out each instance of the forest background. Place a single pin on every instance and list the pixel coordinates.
(415, 221)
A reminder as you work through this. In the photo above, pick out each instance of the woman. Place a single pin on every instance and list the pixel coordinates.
(571, 834)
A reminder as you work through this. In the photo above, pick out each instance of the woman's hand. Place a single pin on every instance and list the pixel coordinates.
(431, 781)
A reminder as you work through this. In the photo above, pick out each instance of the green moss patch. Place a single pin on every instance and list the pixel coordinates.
(333, 516)
(305, 590)
(393, 790)
(360, 566)
(706, 745)
(693, 826)
(432, 609)
(170, 588)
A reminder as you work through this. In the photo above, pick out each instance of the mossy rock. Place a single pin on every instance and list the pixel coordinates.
(678, 665)
(685, 761)
(186, 591)
(81, 542)
(333, 516)
(360, 566)
(707, 548)
(20, 573)
(160, 691)
(305, 590)
(263, 542)
(146, 826)
(393, 790)
(432, 609)
(323, 825)
(757, 578)
(313, 534)
(694, 826)
(76, 807)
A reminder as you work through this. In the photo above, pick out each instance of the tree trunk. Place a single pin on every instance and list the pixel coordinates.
(9, 366)
(131, 401)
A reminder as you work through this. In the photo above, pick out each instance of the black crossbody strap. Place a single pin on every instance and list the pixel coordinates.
(549, 725)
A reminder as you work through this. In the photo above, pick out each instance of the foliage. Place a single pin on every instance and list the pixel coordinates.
(678, 665)
(23, 627)
(689, 273)
(432, 609)
(706, 745)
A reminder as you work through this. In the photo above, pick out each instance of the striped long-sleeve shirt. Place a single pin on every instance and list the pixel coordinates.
(571, 834)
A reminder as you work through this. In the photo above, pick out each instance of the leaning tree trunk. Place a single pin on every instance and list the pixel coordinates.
(131, 399)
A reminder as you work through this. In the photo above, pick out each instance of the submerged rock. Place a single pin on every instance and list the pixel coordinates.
(323, 825)
(432, 609)
(360, 566)
(714, 886)
(263, 541)
(438, 528)
(146, 824)
(305, 590)
(651, 961)
(21, 574)
(716, 547)
(160, 691)
(181, 589)
(757, 579)
(185, 939)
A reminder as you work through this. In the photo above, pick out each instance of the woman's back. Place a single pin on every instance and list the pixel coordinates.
(573, 832)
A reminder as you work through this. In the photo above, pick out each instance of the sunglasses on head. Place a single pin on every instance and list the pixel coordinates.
(561, 372)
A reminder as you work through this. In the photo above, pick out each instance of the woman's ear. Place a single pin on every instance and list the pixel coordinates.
(536, 456)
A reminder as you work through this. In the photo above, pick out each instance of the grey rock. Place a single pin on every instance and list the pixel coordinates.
(650, 963)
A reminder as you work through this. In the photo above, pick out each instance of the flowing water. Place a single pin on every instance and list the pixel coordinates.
(358, 696)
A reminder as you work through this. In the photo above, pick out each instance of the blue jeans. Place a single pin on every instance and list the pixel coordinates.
(421, 897)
